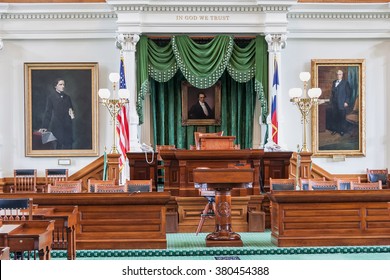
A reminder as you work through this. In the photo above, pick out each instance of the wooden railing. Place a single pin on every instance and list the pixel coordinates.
(94, 170)
(318, 172)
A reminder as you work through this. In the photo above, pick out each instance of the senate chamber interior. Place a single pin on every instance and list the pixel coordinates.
(128, 124)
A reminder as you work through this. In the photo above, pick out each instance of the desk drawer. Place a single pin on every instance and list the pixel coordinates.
(18, 244)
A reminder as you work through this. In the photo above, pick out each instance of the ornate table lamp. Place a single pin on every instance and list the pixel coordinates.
(305, 102)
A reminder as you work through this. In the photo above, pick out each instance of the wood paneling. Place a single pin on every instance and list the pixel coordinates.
(330, 218)
(113, 221)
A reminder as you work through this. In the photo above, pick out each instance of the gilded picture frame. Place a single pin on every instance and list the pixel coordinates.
(338, 121)
(193, 113)
(61, 109)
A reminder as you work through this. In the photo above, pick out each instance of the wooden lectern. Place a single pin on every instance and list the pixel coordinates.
(222, 180)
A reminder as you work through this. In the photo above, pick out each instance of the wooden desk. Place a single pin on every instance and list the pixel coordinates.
(330, 218)
(28, 236)
(179, 166)
(222, 180)
(64, 234)
(113, 220)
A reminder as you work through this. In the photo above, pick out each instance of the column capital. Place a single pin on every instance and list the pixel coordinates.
(127, 42)
(276, 42)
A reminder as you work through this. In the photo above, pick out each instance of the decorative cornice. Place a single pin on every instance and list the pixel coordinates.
(203, 9)
(338, 15)
(317, 11)
(63, 11)
(70, 16)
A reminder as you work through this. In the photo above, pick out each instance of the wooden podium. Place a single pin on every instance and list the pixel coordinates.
(222, 180)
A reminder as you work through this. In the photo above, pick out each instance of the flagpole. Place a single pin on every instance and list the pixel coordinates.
(276, 42)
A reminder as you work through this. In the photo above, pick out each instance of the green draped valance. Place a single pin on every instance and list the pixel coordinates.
(202, 64)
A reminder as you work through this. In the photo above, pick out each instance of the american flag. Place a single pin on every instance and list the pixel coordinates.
(274, 116)
(122, 127)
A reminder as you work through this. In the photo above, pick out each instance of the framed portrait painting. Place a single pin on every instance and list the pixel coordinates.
(201, 106)
(338, 121)
(61, 109)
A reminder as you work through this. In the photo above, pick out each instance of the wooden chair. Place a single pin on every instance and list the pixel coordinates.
(95, 185)
(304, 183)
(282, 184)
(133, 186)
(25, 180)
(345, 184)
(18, 209)
(375, 175)
(65, 187)
(315, 185)
(4, 253)
(366, 186)
(52, 175)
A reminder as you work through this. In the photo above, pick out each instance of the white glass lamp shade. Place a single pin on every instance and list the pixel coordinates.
(124, 93)
(295, 92)
(314, 92)
(114, 77)
(104, 93)
(304, 76)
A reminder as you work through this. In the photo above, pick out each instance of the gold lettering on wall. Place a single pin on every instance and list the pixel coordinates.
(202, 18)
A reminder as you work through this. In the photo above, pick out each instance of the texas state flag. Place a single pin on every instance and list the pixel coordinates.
(274, 116)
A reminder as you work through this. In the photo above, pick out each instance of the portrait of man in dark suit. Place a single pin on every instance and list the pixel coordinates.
(338, 119)
(201, 106)
(201, 109)
(340, 99)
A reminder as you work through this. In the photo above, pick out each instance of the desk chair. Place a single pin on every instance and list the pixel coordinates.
(25, 180)
(95, 185)
(4, 253)
(322, 185)
(282, 184)
(52, 175)
(304, 183)
(133, 186)
(65, 187)
(345, 184)
(375, 175)
(366, 186)
(11, 209)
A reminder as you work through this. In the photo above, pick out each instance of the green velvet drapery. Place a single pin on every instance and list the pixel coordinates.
(237, 109)
(202, 65)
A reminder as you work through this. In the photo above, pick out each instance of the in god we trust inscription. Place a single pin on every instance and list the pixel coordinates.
(203, 18)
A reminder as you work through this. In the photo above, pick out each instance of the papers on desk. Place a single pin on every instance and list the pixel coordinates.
(48, 137)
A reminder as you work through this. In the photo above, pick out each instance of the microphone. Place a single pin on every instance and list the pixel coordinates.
(134, 192)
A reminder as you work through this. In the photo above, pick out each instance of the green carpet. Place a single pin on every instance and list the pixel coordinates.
(257, 246)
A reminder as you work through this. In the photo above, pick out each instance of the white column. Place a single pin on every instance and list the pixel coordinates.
(127, 44)
(276, 42)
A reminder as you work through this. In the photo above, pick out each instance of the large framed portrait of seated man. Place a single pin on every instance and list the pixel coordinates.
(61, 109)
(338, 121)
(201, 106)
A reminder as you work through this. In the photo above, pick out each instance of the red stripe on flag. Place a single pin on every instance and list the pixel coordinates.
(122, 127)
